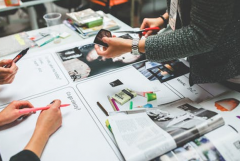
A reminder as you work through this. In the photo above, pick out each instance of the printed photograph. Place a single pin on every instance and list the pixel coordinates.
(164, 71)
(83, 62)
(182, 119)
(198, 150)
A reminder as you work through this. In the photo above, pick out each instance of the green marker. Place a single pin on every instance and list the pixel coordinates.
(131, 105)
(48, 41)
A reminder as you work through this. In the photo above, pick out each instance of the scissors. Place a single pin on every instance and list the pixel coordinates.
(142, 32)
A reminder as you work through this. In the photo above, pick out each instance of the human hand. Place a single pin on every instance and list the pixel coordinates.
(11, 112)
(7, 75)
(116, 47)
(151, 22)
(49, 120)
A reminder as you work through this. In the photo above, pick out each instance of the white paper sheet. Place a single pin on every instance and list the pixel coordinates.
(35, 75)
(79, 137)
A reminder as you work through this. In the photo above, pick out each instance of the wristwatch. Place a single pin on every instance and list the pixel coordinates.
(135, 46)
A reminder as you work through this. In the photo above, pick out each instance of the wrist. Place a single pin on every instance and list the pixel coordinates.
(2, 119)
(164, 21)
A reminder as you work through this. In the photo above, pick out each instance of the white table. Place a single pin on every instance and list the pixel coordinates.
(29, 5)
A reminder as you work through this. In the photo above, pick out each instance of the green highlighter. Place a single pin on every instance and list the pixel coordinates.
(131, 105)
(48, 41)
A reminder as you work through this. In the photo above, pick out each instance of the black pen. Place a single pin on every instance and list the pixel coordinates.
(102, 108)
(17, 58)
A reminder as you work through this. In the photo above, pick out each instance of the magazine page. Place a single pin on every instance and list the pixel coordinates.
(83, 61)
(138, 138)
(183, 120)
(211, 147)
(226, 104)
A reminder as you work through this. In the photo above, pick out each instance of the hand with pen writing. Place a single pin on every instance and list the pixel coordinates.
(49, 121)
(7, 75)
(11, 112)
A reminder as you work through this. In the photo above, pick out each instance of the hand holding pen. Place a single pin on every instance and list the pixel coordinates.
(11, 112)
(7, 75)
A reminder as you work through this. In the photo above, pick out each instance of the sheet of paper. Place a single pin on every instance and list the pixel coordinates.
(79, 137)
(227, 105)
(36, 75)
(132, 80)
(139, 138)
(196, 93)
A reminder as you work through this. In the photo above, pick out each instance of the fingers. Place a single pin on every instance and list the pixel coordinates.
(144, 24)
(5, 62)
(148, 33)
(99, 51)
(56, 103)
(22, 104)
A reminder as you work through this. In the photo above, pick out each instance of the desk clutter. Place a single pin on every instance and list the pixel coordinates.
(87, 23)
(130, 108)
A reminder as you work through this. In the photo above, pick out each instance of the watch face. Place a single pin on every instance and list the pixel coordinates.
(102, 33)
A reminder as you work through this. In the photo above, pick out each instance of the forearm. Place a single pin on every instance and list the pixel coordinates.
(37, 143)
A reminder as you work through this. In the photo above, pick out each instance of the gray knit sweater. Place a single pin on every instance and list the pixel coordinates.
(209, 35)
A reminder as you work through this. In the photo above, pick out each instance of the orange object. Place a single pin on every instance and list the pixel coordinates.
(12, 2)
(111, 2)
(228, 104)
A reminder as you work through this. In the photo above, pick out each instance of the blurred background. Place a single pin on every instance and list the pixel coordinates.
(17, 20)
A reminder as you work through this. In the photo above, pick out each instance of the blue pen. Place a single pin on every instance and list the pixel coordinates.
(48, 41)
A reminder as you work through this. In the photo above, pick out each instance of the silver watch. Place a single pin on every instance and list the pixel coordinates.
(135, 46)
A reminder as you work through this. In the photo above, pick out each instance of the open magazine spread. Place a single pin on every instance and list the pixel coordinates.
(178, 123)
(210, 147)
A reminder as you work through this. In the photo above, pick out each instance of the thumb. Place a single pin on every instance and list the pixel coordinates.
(5, 62)
(105, 39)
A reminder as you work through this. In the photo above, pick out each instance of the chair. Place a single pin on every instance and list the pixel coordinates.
(109, 3)
(69, 4)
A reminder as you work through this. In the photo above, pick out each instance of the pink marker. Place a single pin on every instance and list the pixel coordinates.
(114, 103)
(27, 110)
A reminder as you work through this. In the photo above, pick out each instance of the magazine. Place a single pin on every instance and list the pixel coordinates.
(147, 133)
(210, 147)
(83, 61)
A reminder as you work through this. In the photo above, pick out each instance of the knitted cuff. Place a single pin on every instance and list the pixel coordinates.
(164, 20)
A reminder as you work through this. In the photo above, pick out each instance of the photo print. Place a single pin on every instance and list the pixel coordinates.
(162, 71)
(83, 61)
(182, 119)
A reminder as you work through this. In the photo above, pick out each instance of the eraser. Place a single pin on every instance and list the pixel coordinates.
(124, 96)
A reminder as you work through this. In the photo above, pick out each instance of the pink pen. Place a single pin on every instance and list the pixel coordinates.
(27, 110)
(114, 103)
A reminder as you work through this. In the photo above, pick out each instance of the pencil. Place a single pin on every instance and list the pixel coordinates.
(109, 99)
(102, 108)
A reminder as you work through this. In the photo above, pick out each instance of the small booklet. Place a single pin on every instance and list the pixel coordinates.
(108, 24)
(145, 134)
(86, 17)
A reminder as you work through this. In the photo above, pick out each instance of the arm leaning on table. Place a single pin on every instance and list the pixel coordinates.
(48, 122)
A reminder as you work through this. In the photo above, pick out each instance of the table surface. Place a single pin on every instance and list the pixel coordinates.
(79, 141)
